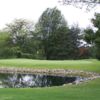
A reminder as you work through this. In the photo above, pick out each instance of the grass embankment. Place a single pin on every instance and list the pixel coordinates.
(84, 91)
(87, 65)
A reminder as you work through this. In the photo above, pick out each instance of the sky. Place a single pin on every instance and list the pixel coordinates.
(32, 10)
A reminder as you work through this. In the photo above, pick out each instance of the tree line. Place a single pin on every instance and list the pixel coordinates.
(49, 38)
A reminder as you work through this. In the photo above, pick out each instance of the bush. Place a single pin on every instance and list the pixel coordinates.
(98, 52)
(26, 55)
(98, 55)
(19, 54)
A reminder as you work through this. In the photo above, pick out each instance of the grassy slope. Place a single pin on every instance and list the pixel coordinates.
(88, 65)
(84, 91)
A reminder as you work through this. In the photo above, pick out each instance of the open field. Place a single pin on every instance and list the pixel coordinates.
(87, 65)
(85, 91)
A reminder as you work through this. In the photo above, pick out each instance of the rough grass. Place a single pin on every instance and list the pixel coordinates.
(87, 65)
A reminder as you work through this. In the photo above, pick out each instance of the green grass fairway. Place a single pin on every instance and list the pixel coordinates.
(87, 65)
(84, 91)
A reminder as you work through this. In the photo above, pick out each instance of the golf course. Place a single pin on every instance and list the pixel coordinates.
(50, 50)
(89, 90)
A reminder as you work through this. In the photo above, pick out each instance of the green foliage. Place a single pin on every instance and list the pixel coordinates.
(57, 40)
(93, 38)
(26, 55)
(5, 47)
(96, 22)
(51, 38)
(49, 23)
(89, 36)
(21, 35)
(20, 54)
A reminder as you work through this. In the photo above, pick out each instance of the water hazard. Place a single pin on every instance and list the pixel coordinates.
(32, 80)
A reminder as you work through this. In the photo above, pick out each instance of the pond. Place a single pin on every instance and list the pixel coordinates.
(33, 80)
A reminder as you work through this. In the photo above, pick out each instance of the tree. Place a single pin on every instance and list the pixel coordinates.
(18, 29)
(89, 4)
(5, 47)
(92, 37)
(65, 43)
(96, 23)
(57, 40)
(89, 36)
(74, 41)
(21, 36)
(50, 21)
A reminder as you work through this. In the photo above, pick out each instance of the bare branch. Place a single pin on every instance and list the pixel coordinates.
(89, 4)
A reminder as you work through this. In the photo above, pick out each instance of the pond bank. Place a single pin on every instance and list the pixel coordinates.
(57, 72)
(54, 72)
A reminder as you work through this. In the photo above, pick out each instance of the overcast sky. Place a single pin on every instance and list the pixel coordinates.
(32, 9)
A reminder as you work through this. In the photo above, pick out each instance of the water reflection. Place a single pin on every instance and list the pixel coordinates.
(32, 80)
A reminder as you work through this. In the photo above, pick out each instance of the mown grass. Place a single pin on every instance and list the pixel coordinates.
(87, 65)
(84, 91)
